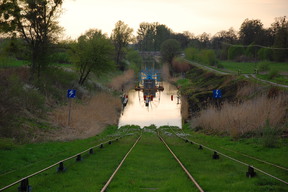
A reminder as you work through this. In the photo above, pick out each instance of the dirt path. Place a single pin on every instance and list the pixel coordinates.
(207, 68)
(248, 76)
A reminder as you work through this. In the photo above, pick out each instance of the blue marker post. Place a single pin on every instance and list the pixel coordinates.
(71, 94)
(217, 94)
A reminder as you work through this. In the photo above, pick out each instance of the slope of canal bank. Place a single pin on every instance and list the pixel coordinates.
(247, 108)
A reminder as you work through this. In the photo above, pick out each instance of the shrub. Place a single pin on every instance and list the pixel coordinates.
(269, 135)
(220, 66)
(234, 52)
(273, 73)
(263, 66)
(180, 65)
(208, 57)
(192, 54)
(265, 54)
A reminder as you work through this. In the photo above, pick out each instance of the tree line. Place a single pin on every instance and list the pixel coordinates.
(32, 29)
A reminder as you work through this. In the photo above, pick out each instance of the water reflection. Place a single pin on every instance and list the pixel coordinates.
(161, 111)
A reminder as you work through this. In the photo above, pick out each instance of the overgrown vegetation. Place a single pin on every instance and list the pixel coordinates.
(242, 112)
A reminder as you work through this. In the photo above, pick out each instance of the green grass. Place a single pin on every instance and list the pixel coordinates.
(225, 174)
(278, 79)
(6, 62)
(149, 167)
(248, 67)
(18, 161)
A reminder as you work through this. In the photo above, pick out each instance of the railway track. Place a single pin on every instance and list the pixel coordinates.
(151, 160)
(235, 159)
(192, 179)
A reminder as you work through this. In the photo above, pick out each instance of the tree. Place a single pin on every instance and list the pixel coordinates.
(93, 52)
(222, 40)
(280, 31)
(36, 22)
(251, 31)
(182, 38)
(150, 36)
(169, 49)
(121, 37)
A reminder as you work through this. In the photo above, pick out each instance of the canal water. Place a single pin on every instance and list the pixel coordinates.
(161, 111)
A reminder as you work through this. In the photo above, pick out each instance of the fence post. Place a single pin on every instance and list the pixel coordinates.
(251, 172)
(61, 167)
(215, 155)
(24, 186)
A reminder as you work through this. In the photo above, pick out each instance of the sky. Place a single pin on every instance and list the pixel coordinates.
(195, 16)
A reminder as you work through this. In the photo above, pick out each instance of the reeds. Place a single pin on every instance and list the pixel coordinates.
(238, 119)
(86, 119)
(120, 81)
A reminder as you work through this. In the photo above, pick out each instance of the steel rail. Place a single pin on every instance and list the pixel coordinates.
(55, 164)
(254, 158)
(183, 167)
(236, 160)
(119, 166)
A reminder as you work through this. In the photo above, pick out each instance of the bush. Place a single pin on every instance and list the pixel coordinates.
(192, 54)
(234, 52)
(59, 57)
(208, 57)
(273, 73)
(269, 135)
(265, 54)
(263, 66)
(205, 56)
(220, 66)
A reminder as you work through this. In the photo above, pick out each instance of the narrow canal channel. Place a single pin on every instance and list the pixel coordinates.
(161, 111)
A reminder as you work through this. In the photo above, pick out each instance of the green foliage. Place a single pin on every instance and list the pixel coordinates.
(59, 57)
(269, 135)
(121, 37)
(220, 66)
(208, 57)
(263, 66)
(273, 73)
(35, 22)
(150, 36)
(8, 62)
(235, 51)
(93, 52)
(169, 49)
(265, 54)
(192, 54)
(15, 98)
(251, 31)
(134, 59)
(280, 55)
(205, 56)
(251, 51)
(280, 28)
(7, 144)
(184, 83)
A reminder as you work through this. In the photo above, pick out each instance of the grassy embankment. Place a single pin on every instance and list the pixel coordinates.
(246, 109)
(149, 166)
(272, 71)
(38, 110)
(267, 70)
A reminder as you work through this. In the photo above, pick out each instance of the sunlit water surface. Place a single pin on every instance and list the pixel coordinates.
(161, 111)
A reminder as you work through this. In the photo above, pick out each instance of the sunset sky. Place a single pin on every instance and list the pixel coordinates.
(196, 16)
